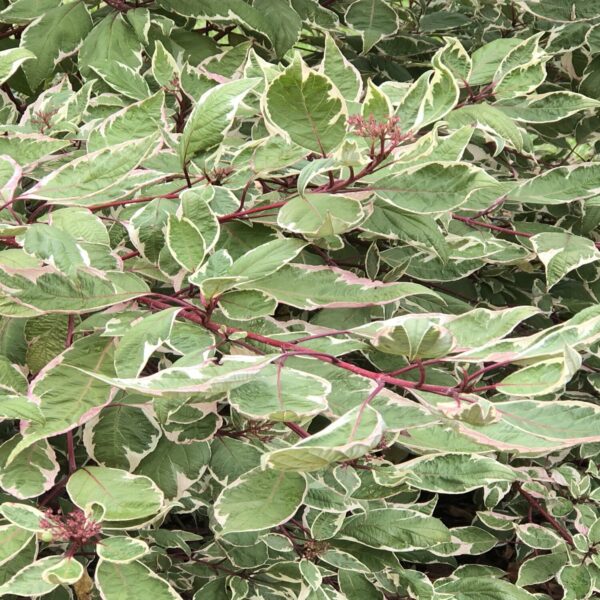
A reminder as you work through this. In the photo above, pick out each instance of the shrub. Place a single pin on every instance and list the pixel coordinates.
(299, 299)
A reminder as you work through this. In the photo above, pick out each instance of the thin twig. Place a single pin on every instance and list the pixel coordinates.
(534, 503)
(70, 444)
(297, 429)
(473, 223)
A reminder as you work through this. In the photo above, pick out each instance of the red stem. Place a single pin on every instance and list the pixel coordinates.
(297, 429)
(70, 444)
(534, 503)
(417, 365)
(474, 223)
(71, 452)
(290, 347)
(244, 194)
(380, 385)
(320, 335)
(250, 211)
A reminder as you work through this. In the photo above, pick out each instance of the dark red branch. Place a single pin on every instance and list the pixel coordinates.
(291, 348)
(473, 223)
(70, 444)
(535, 504)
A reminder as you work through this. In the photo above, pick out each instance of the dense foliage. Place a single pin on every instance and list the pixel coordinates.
(299, 299)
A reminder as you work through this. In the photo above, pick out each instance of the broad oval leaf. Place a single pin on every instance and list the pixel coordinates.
(305, 107)
(119, 495)
(395, 530)
(347, 438)
(259, 500)
(117, 581)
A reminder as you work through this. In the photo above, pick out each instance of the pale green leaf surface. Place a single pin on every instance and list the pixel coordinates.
(260, 499)
(120, 495)
(306, 107)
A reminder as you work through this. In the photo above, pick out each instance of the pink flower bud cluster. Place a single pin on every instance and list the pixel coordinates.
(75, 527)
(370, 128)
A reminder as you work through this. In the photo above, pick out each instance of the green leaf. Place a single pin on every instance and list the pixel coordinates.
(491, 121)
(123, 79)
(373, 19)
(136, 121)
(12, 540)
(521, 70)
(83, 181)
(433, 95)
(255, 265)
(81, 224)
(540, 569)
(321, 215)
(539, 537)
(310, 574)
(32, 473)
(342, 73)
(11, 60)
(391, 222)
(122, 549)
(454, 56)
(259, 500)
(55, 247)
(376, 104)
(488, 57)
(23, 516)
(212, 117)
(351, 436)
(246, 305)
(543, 377)
(175, 467)
(546, 108)
(10, 175)
(57, 33)
(562, 252)
(195, 206)
(441, 20)
(28, 148)
(451, 473)
(577, 582)
(311, 287)
(280, 22)
(62, 408)
(138, 344)
(31, 580)
(67, 571)
(394, 530)
(119, 495)
(482, 326)
(281, 394)
(112, 39)
(231, 458)
(24, 11)
(185, 242)
(356, 586)
(83, 292)
(577, 10)
(474, 588)
(306, 108)
(164, 67)
(431, 188)
(199, 376)
(274, 19)
(410, 336)
(131, 581)
(560, 185)
(121, 436)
